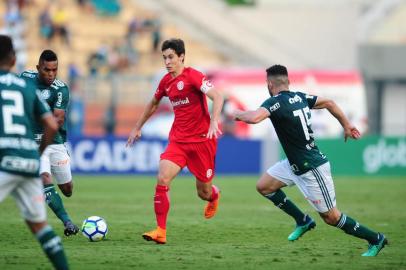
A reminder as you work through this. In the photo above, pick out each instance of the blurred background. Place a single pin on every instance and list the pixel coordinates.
(109, 55)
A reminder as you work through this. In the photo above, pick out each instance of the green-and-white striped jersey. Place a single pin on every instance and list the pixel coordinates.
(291, 118)
(21, 106)
(57, 97)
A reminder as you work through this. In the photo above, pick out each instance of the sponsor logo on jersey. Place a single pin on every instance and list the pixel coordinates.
(180, 85)
(9, 79)
(45, 94)
(274, 107)
(180, 102)
(295, 99)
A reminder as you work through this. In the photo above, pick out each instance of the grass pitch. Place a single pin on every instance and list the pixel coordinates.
(248, 232)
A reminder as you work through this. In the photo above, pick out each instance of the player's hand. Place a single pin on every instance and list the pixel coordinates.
(214, 130)
(351, 132)
(135, 135)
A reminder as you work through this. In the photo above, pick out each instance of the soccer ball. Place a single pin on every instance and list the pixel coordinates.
(94, 228)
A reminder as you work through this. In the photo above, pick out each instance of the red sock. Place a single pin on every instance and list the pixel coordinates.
(214, 193)
(161, 205)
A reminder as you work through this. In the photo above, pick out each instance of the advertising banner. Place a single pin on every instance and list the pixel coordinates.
(110, 155)
(371, 155)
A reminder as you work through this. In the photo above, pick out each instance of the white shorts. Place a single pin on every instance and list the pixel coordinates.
(55, 160)
(27, 192)
(316, 185)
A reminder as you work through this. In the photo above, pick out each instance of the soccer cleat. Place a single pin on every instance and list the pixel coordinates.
(70, 228)
(158, 235)
(373, 250)
(300, 230)
(211, 208)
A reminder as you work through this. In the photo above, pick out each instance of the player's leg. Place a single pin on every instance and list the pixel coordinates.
(29, 198)
(56, 161)
(332, 216)
(270, 186)
(201, 163)
(171, 163)
(211, 193)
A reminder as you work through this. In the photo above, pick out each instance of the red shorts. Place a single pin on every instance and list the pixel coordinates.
(198, 157)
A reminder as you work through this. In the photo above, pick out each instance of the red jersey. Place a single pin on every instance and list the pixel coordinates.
(186, 92)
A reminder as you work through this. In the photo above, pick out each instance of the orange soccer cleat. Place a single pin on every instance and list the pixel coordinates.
(158, 235)
(211, 208)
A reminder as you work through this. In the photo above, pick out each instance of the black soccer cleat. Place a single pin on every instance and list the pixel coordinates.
(70, 228)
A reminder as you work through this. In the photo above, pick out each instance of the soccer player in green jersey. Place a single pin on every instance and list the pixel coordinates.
(305, 165)
(55, 160)
(20, 105)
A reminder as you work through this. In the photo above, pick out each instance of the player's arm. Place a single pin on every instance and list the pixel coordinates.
(50, 126)
(48, 121)
(61, 105)
(251, 117)
(59, 116)
(218, 102)
(329, 104)
(148, 111)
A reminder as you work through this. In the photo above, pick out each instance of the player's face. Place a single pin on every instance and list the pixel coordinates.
(47, 71)
(173, 62)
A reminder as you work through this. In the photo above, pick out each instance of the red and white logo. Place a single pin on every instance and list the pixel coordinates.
(180, 85)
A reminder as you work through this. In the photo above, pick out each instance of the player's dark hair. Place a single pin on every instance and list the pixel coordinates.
(175, 44)
(47, 56)
(6, 50)
(277, 70)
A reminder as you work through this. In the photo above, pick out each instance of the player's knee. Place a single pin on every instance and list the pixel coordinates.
(264, 189)
(331, 218)
(163, 180)
(46, 178)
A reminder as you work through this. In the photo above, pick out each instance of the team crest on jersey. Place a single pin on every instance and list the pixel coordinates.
(180, 85)
(45, 94)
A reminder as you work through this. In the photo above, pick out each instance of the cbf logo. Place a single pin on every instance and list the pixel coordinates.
(180, 85)
(45, 94)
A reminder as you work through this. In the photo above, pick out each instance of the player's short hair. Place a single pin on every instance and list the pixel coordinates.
(277, 70)
(278, 74)
(47, 56)
(175, 44)
(6, 50)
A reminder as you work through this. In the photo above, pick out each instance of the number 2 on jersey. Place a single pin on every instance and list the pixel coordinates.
(16, 109)
(303, 115)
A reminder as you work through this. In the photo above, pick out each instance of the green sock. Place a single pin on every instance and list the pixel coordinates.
(280, 200)
(350, 226)
(54, 202)
(52, 246)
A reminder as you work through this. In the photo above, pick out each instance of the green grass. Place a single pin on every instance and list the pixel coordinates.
(248, 232)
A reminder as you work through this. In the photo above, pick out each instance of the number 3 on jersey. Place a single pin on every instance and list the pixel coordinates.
(304, 116)
(16, 109)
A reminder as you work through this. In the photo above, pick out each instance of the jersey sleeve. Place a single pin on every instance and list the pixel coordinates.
(311, 99)
(62, 98)
(199, 81)
(271, 105)
(160, 91)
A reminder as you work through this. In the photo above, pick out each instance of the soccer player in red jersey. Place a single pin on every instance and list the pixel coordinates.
(193, 136)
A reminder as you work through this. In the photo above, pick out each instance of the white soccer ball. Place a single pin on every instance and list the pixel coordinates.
(94, 228)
